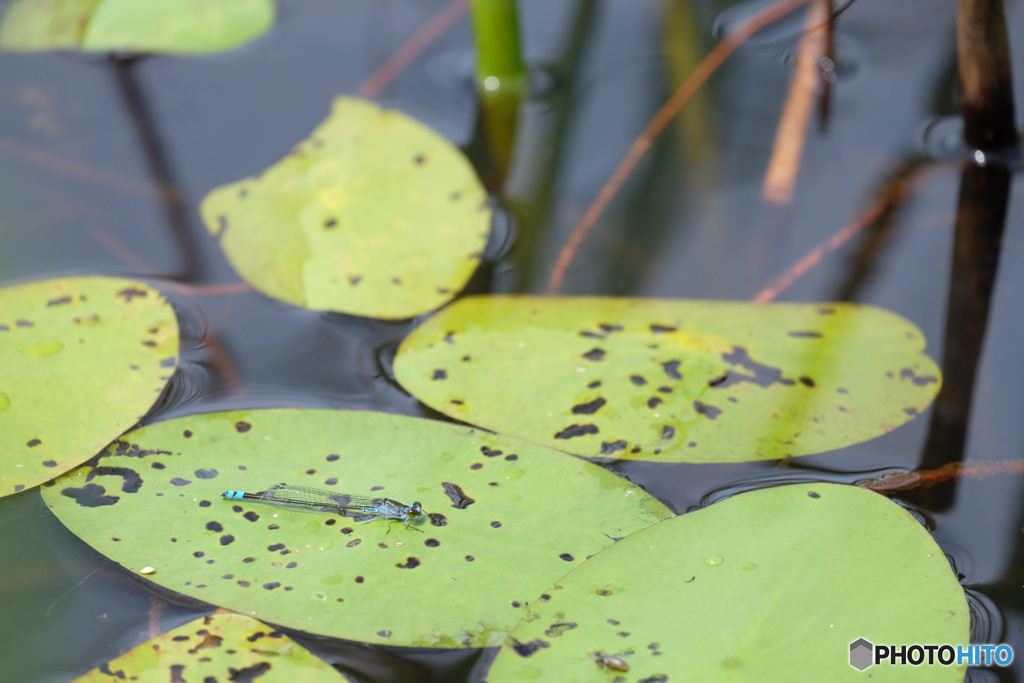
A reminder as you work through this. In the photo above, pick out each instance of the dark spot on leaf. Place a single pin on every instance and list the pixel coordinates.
(490, 453)
(496, 524)
(709, 411)
(346, 530)
(814, 494)
(273, 527)
(808, 334)
(243, 584)
(32, 443)
(623, 634)
(592, 335)
(89, 496)
(249, 559)
(528, 649)
(466, 359)
(384, 634)
(431, 542)
(613, 622)
(418, 159)
(242, 427)
(130, 479)
(476, 466)
(227, 539)
(911, 411)
(332, 457)
(511, 456)
(205, 503)
(178, 481)
(132, 292)
(457, 402)
(594, 385)
(198, 553)
(841, 390)
(214, 526)
(439, 374)
(588, 408)
(556, 630)
(49, 463)
(653, 401)
(330, 223)
(272, 585)
(437, 519)
(469, 558)
(458, 497)
(331, 481)
(667, 432)
(665, 389)
(410, 563)
(58, 302)
(355, 280)
(907, 373)
(449, 337)
(608, 448)
(594, 354)
(634, 449)
(672, 369)
(25, 323)
(187, 434)
(359, 579)
(353, 543)
(251, 516)
(206, 474)
(763, 375)
(610, 328)
(567, 557)
(275, 547)
(575, 430)
(637, 380)
(659, 329)
(807, 381)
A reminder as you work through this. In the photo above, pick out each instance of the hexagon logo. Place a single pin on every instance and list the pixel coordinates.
(861, 654)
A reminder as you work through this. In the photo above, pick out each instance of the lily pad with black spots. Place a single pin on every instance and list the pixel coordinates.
(506, 518)
(220, 647)
(81, 360)
(374, 215)
(170, 26)
(770, 585)
(671, 380)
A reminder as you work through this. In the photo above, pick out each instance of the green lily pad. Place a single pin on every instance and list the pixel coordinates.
(770, 585)
(374, 215)
(220, 647)
(508, 519)
(175, 26)
(81, 360)
(671, 380)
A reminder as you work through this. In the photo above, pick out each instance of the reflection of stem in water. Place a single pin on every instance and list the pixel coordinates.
(548, 150)
(979, 229)
(985, 75)
(159, 167)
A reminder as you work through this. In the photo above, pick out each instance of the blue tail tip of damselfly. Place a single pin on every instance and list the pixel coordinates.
(234, 495)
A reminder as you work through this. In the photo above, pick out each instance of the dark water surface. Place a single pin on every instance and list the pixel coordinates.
(79, 194)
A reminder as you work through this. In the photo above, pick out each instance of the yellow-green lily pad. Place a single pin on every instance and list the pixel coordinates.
(769, 585)
(219, 647)
(374, 215)
(174, 26)
(81, 360)
(671, 380)
(506, 519)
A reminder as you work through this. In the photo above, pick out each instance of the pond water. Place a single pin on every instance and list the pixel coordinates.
(102, 167)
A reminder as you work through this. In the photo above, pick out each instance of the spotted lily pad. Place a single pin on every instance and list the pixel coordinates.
(671, 380)
(374, 215)
(507, 518)
(770, 585)
(81, 360)
(176, 26)
(220, 647)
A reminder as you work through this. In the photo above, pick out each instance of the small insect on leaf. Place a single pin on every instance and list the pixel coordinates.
(607, 661)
